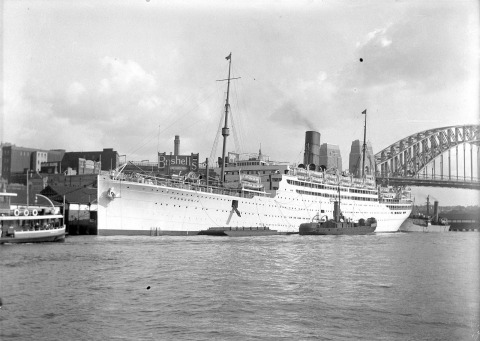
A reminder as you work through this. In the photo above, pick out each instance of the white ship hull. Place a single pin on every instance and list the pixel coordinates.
(419, 225)
(138, 208)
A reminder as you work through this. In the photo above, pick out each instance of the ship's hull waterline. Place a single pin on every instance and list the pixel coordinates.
(141, 208)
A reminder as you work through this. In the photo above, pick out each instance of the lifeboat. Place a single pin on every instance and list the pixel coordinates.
(250, 178)
(251, 185)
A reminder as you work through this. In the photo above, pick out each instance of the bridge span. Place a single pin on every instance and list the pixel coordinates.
(433, 158)
(426, 182)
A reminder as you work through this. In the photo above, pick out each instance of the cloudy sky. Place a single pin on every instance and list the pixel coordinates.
(129, 75)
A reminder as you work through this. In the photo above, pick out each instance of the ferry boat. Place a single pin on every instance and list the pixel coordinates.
(255, 194)
(29, 224)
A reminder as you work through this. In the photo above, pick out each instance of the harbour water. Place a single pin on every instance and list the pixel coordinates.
(402, 286)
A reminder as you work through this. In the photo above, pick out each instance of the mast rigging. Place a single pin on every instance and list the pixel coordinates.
(225, 129)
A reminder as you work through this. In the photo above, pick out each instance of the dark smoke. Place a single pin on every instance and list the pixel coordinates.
(290, 114)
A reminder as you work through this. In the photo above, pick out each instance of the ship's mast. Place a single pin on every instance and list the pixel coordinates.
(364, 143)
(225, 130)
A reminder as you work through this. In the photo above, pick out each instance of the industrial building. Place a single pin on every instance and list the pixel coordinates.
(107, 159)
(18, 161)
(167, 163)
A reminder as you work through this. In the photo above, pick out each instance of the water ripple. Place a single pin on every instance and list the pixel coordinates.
(380, 287)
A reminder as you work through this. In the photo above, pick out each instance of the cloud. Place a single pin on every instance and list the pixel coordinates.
(377, 37)
(416, 50)
(385, 42)
(74, 93)
(149, 103)
(125, 91)
(110, 108)
(125, 76)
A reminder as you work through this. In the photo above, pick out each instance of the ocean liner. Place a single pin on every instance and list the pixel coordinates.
(251, 194)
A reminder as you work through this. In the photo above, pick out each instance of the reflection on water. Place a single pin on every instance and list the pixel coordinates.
(378, 287)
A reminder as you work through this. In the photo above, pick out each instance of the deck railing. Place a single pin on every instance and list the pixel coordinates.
(187, 184)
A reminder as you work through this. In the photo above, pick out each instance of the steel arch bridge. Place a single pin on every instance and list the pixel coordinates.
(408, 161)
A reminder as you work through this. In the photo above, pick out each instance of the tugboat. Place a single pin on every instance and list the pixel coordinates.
(337, 226)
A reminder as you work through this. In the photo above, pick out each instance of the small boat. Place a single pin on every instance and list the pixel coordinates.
(29, 224)
(338, 226)
(421, 223)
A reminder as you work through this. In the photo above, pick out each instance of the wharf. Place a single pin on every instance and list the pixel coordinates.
(464, 226)
(463, 222)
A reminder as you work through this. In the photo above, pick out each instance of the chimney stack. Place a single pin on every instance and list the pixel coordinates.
(176, 150)
(435, 211)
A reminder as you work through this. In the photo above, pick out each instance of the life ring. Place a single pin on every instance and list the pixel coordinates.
(34, 212)
(16, 212)
(26, 213)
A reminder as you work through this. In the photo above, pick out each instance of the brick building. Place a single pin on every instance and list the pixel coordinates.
(108, 158)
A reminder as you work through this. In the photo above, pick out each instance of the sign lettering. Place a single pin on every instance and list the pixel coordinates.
(184, 163)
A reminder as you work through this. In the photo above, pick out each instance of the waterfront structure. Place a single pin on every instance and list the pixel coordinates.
(176, 164)
(108, 158)
(1, 157)
(54, 162)
(38, 157)
(356, 159)
(16, 161)
(330, 156)
(166, 163)
(79, 193)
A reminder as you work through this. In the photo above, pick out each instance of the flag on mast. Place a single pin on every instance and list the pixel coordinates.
(229, 56)
(364, 112)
